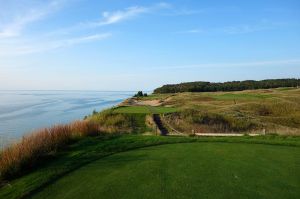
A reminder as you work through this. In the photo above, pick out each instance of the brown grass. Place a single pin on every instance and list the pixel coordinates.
(25, 153)
(113, 122)
(209, 122)
(265, 110)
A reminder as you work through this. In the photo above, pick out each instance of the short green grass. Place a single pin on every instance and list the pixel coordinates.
(145, 109)
(195, 170)
(76, 156)
(91, 149)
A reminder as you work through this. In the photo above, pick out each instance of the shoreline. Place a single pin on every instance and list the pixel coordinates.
(28, 112)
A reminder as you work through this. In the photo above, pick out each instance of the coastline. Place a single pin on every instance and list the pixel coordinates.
(23, 111)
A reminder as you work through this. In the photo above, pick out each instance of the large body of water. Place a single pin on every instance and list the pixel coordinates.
(24, 111)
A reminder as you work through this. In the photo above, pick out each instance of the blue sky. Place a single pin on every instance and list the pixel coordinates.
(142, 44)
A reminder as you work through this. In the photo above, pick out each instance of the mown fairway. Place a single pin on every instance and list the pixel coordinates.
(187, 170)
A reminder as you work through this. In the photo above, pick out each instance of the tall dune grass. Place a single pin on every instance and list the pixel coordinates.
(25, 153)
(114, 122)
(217, 122)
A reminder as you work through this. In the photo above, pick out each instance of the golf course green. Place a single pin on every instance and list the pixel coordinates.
(186, 170)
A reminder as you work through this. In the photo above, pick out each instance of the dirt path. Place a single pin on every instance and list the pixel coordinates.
(163, 130)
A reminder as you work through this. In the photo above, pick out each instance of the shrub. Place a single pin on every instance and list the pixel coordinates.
(140, 94)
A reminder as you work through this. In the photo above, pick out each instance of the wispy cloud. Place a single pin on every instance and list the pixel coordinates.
(262, 25)
(13, 42)
(112, 17)
(187, 11)
(249, 28)
(191, 31)
(79, 40)
(19, 22)
(51, 41)
(120, 15)
(50, 45)
(183, 12)
(242, 29)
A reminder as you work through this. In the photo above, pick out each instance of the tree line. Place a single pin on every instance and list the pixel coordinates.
(200, 86)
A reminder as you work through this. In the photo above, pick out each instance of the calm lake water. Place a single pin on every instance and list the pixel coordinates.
(24, 111)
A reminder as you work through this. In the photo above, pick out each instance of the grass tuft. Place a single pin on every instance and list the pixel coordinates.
(24, 155)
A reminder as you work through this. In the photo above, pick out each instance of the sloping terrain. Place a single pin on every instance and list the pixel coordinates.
(265, 111)
(89, 168)
(195, 170)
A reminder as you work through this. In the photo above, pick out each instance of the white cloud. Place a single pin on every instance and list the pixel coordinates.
(163, 5)
(239, 29)
(118, 16)
(50, 41)
(18, 21)
(112, 17)
(262, 25)
(50, 45)
(191, 31)
(84, 39)
(184, 12)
